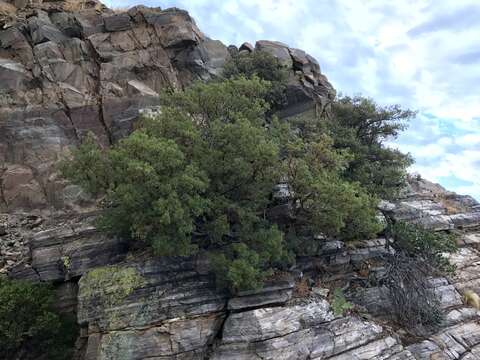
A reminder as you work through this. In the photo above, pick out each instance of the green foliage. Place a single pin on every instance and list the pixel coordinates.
(323, 201)
(361, 126)
(67, 262)
(29, 326)
(264, 66)
(238, 268)
(339, 303)
(153, 192)
(200, 175)
(423, 243)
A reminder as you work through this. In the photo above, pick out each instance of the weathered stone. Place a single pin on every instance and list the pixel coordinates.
(458, 315)
(13, 75)
(117, 22)
(70, 250)
(322, 292)
(66, 297)
(20, 189)
(272, 293)
(67, 24)
(87, 120)
(120, 115)
(300, 60)
(472, 240)
(169, 289)
(87, 69)
(174, 27)
(216, 56)
(277, 49)
(385, 348)
(377, 300)
(451, 343)
(468, 220)
(42, 30)
(268, 323)
(68, 68)
(467, 274)
(232, 50)
(446, 293)
(141, 88)
(180, 339)
(247, 46)
(291, 337)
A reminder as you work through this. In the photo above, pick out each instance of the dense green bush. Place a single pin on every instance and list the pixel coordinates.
(264, 66)
(29, 326)
(361, 126)
(200, 176)
(322, 201)
(357, 125)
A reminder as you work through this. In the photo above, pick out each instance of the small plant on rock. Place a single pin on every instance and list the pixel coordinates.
(339, 303)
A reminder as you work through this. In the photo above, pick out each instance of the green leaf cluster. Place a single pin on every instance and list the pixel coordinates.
(339, 303)
(29, 326)
(265, 66)
(361, 126)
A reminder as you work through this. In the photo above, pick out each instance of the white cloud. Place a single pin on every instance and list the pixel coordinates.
(469, 140)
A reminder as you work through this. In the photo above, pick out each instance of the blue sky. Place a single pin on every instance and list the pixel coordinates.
(424, 55)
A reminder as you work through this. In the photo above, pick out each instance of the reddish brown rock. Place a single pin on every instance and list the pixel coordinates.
(69, 68)
(20, 189)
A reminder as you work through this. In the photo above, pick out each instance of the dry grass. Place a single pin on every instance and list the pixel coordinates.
(301, 290)
(452, 206)
(7, 9)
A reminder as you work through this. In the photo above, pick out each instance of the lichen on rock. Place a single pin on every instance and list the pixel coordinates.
(111, 284)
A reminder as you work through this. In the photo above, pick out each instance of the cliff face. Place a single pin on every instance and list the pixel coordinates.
(72, 67)
(140, 307)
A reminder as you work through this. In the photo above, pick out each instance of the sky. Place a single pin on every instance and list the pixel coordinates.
(423, 55)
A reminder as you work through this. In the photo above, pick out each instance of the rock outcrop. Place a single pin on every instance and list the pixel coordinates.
(66, 249)
(173, 310)
(138, 307)
(68, 68)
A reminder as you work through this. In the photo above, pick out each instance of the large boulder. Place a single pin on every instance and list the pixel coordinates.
(69, 68)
